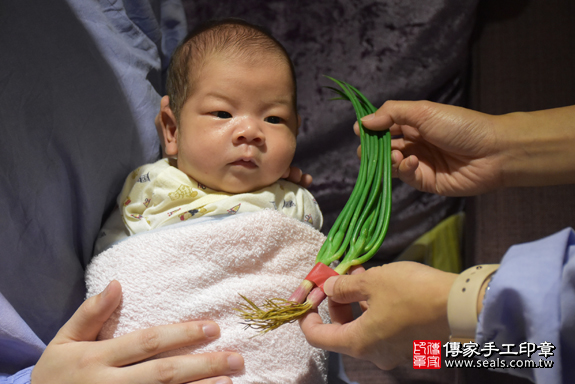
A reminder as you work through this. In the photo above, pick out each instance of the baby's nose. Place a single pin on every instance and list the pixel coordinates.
(249, 132)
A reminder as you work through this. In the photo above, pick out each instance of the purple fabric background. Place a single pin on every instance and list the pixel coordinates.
(402, 49)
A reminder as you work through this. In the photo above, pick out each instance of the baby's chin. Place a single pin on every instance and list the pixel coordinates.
(236, 186)
(242, 188)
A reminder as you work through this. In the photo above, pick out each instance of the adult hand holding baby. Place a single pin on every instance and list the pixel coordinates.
(73, 356)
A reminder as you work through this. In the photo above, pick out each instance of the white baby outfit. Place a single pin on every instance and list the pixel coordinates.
(156, 195)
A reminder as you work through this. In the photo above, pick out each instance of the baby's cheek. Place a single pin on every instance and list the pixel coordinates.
(284, 157)
(202, 163)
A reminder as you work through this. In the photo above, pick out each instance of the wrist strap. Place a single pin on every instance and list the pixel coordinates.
(462, 301)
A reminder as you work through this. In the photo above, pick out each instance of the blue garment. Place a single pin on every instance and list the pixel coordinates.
(19, 345)
(82, 79)
(137, 39)
(21, 377)
(531, 298)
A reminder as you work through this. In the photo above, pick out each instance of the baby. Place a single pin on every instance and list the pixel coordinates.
(229, 125)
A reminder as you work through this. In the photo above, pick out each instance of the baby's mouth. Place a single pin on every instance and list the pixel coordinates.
(245, 162)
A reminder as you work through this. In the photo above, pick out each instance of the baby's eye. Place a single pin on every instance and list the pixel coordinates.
(222, 114)
(273, 119)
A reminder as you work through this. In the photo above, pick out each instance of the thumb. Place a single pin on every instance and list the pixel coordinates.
(340, 338)
(88, 319)
(396, 113)
(346, 289)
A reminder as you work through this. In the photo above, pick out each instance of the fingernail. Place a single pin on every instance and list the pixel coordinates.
(223, 381)
(368, 117)
(106, 291)
(211, 331)
(328, 285)
(235, 362)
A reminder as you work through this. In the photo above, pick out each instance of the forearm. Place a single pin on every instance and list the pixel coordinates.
(538, 147)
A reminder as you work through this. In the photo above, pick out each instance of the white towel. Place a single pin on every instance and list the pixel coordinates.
(195, 271)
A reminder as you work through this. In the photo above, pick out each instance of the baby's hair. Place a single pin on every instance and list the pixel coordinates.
(232, 37)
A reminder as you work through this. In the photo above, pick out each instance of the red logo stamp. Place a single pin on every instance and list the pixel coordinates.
(426, 354)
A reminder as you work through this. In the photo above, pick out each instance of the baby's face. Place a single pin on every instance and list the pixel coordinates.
(237, 130)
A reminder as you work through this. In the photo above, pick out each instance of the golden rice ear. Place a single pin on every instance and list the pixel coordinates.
(272, 314)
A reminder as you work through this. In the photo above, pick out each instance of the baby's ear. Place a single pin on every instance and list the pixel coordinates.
(169, 128)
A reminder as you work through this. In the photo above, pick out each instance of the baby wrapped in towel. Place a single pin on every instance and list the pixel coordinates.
(230, 117)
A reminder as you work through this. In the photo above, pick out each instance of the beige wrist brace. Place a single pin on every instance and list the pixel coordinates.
(462, 301)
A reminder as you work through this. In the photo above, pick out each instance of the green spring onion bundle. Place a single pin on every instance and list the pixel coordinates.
(362, 224)
(358, 231)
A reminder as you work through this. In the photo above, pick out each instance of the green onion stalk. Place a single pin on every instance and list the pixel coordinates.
(358, 231)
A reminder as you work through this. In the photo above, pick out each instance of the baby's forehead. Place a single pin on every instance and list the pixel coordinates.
(248, 58)
(256, 58)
